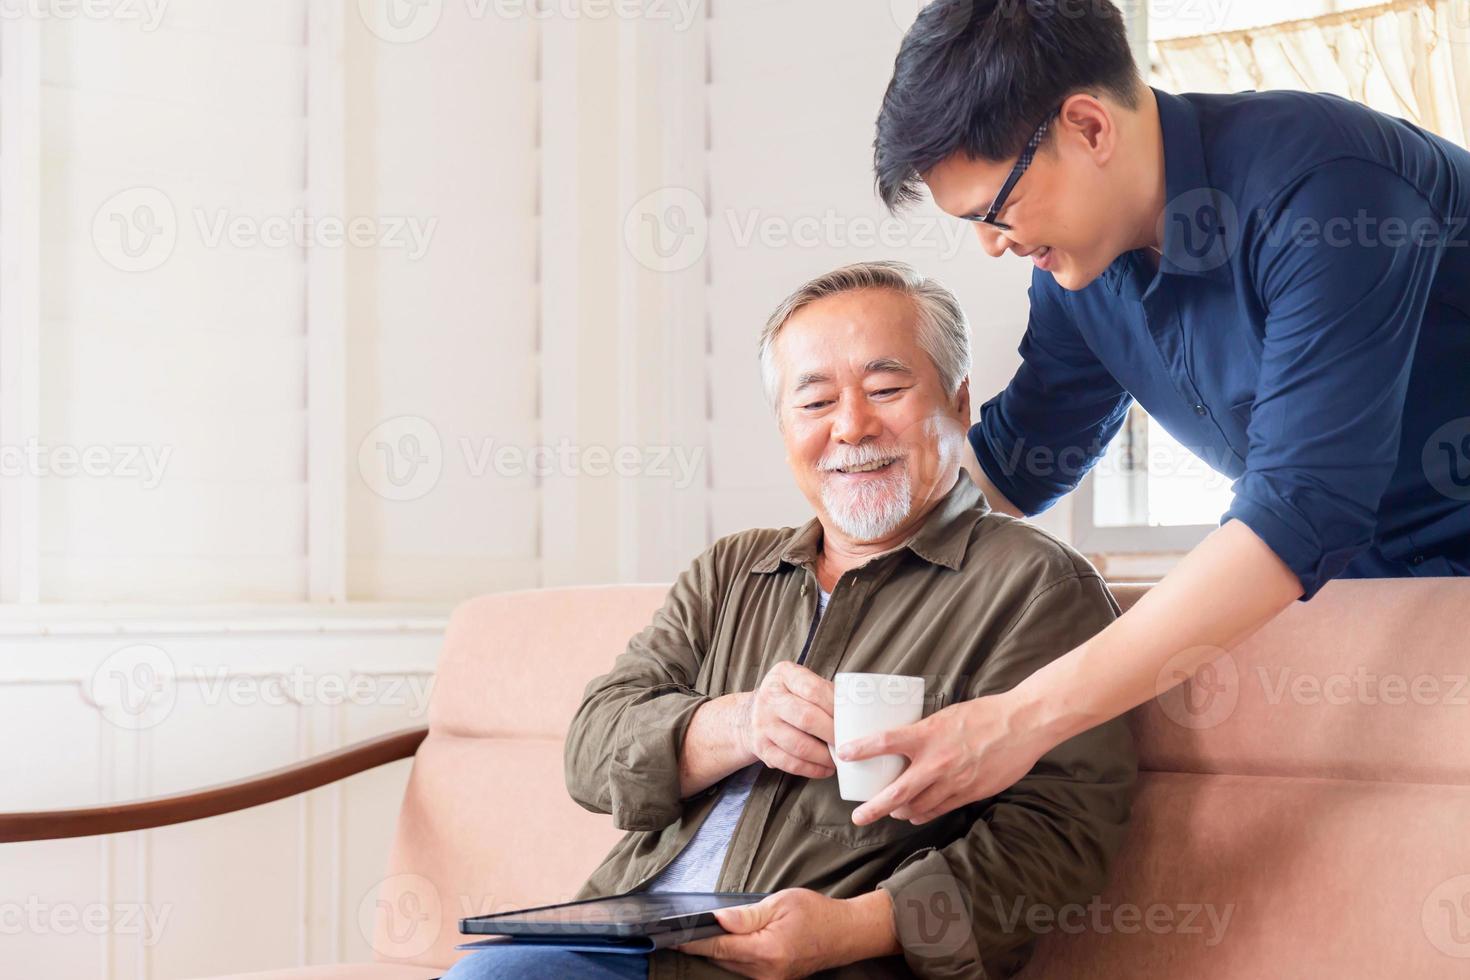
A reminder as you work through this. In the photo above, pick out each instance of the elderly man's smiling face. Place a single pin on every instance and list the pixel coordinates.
(871, 436)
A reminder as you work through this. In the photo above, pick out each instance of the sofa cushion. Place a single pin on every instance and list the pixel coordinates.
(1249, 876)
(517, 662)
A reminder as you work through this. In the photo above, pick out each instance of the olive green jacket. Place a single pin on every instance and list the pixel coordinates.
(974, 602)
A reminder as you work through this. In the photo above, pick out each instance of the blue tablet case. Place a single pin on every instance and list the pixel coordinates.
(593, 944)
(571, 940)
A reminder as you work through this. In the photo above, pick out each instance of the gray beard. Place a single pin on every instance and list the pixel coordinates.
(870, 511)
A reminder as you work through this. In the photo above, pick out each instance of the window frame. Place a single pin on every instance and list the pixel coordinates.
(1139, 537)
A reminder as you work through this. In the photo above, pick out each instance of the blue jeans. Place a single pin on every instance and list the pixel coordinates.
(530, 963)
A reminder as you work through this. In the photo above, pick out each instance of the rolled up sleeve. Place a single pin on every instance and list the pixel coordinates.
(1344, 266)
(1042, 433)
(968, 909)
(623, 745)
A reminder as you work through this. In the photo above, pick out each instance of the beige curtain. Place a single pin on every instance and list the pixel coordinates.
(1409, 58)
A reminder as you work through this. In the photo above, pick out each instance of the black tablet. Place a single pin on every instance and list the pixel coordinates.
(634, 915)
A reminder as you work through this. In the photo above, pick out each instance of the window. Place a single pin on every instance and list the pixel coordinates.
(1148, 493)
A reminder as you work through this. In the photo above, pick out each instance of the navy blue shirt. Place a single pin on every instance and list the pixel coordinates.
(1306, 333)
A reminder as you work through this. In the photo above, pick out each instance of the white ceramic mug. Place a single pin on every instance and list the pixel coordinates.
(866, 704)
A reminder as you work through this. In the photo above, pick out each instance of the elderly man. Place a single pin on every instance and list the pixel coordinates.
(708, 739)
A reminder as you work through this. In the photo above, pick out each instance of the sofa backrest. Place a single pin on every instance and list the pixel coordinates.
(1301, 807)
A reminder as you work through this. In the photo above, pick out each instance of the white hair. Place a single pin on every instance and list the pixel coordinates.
(944, 333)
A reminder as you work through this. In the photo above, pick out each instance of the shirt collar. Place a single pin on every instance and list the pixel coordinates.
(1200, 221)
(941, 539)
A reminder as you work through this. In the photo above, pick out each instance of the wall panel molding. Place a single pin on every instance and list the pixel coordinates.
(20, 301)
(226, 720)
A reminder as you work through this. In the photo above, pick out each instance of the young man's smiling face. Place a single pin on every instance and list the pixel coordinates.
(871, 436)
(1067, 213)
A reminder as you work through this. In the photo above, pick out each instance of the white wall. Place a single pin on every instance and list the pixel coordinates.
(177, 343)
(793, 92)
(320, 421)
(442, 339)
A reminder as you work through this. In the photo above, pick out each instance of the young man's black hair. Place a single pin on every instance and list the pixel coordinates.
(978, 76)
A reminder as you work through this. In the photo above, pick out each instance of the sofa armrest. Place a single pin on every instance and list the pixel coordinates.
(160, 811)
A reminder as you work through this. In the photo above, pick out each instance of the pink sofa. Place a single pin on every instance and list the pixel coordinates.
(1302, 809)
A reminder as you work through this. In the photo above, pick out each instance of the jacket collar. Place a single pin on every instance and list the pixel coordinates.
(1201, 223)
(941, 539)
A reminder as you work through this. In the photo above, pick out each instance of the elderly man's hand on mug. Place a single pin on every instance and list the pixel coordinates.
(787, 721)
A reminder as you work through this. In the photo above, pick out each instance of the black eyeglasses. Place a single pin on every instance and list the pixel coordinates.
(1028, 153)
